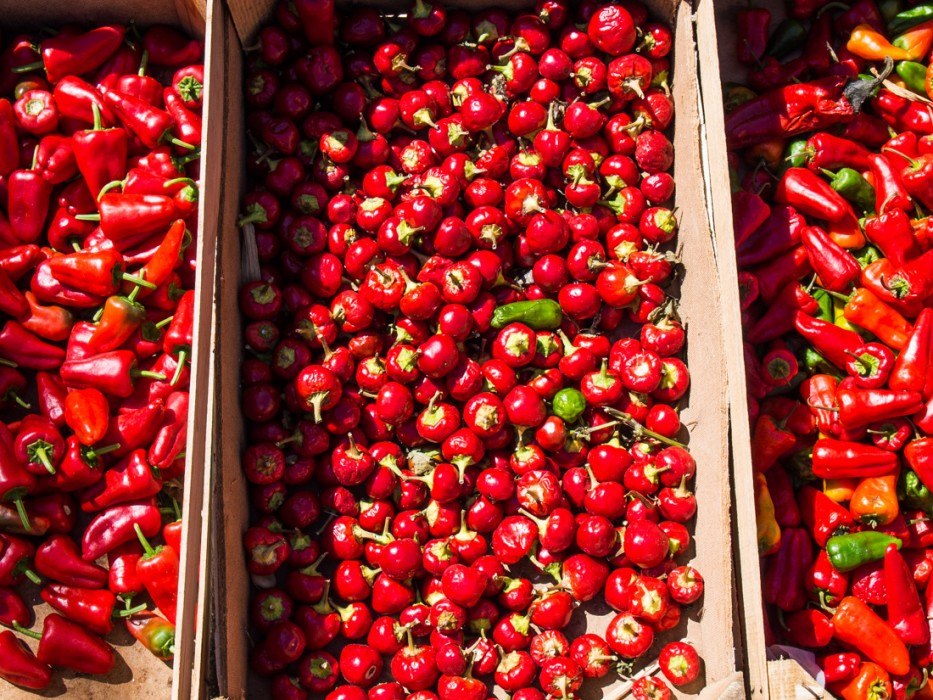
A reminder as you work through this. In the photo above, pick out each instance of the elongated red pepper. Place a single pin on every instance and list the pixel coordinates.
(859, 407)
(52, 394)
(859, 627)
(100, 153)
(131, 479)
(28, 198)
(122, 578)
(892, 233)
(26, 350)
(19, 666)
(55, 159)
(111, 372)
(167, 256)
(16, 261)
(170, 48)
(12, 608)
(823, 517)
(87, 413)
(116, 525)
(867, 311)
(779, 234)
(890, 192)
(137, 84)
(15, 482)
(833, 459)
(180, 334)
(169, 442)
(158, 570)
(49, 322)
(832, 342)
(77, 99)
(187, 123)
(905, 611)
(59, 559)
(92, 609)
(913, 368)
(811, 195)
(76, 54)
(135, 428)
(919, 456)
(51, 291)
(151, 125)
(12, 301)
(835, 266)
(132, 218)
(66, 644)
(100, 273)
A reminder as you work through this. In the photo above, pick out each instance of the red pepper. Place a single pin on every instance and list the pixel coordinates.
(39, 444)
(66, 644)
(913, 368)
(859, 407)
(871, 365)
(17, 260)
(77, 348)
(12, 385)
(49, 322)
(100, 273)
(840, 666)
(167, 256)
(112, 372)
(811, 195)
(919, 456)
(135, 428)
(12, 301)
(26, 350)
(833, 459)
(12, 609)
(58, 558)
(169, 442)
(130, 219)
(58, 508)
(87, 414)
(188, 84)
(823, 517)
(155, 633)
(902, 288)
(120, 318)
(905, 611)
(100, 153)
(116, 525)
(28, 197)
(171, 533)
(817, 51)
(81, 465)
(782, 493)
(19, 666)
(859, 627)
(318, 20)
(825, 583)
(835, 266)
(170, 48)
(774, 73)
(66, 233)
(55, 159)
(77, 100)
(892, 233)
(131, 479)
(52, 395)
(139, 85)
(9, 141)
(15, 482)
(151, 125)
(92, 609)
(125, 60)
(158, 570)
(49, 290)
(122, 577)
(826, 151)
(180, 334)
(810, 629)
(782, 585)
(832, 342)
(779, 234)
(770, 443)
(15, 559)
(188, 125)
(76, 54)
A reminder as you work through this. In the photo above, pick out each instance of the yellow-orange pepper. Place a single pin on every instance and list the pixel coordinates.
(769, 532)
(840, 490)
(916, 42)
(868, 43)
(874, 501)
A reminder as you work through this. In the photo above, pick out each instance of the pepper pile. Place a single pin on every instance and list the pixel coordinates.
(97, 300)
(832, 156)
(452, 443)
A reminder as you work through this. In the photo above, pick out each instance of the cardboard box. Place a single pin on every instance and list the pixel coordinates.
(710, 625)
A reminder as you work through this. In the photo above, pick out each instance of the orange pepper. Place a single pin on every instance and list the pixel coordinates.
(916, 41)
(769, 532)
(770, 151)
(858, 626)
(840, 490)
(847, 233)
(867, 311)
(870, 683)
(928, 85)
(868, 43)
(874, 501)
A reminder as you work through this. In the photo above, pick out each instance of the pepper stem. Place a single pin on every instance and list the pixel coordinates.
(19, 401)
(182, 358)
(23, 515)
(87, 217)
(143, 63)
(182, 144)
(28, 632)
(129, 612)
(98, 122)
(151, 375)
(28, 68)
(112, 185)
(97, 452)
(149, 551)
(137, 280)
(164, 322)
(43, 458)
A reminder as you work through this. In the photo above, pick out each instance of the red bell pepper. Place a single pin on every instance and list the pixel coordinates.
(116, 525)
(49, 290)
(52, 395)
(66, 644)
(100, 153)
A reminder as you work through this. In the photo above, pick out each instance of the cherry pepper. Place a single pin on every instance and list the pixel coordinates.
(19, 666)
(154, 632)
(158, 570)
(117, 525)
(112, 372)
(179, 336)
(66, 644)
(130, 479)
(39, 444)
(100, 153)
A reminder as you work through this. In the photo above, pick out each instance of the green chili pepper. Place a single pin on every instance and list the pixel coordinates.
(908, 19)
(851, 185)
(816, 363)
(796, 154)
(850, 551)
(825, 300)
(867, 255)
(913, 492)
(889, 9)
(789, 36)
(914, 75)
(539, 314)
(568, 404)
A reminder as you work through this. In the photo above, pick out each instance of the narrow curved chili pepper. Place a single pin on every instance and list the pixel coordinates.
(823, 517)
(155, 633)
(28, 198)
(151, 125)
(782, 495)
(810, 628)
(768, 530)
(120, 318)
(839, 458)
(158, 570)
(59, 559)
(824, 582)
(99, 273)
(115, 526)
(39, 445)
(169, 441)
(867, 311)
(111, 372)
(782, 584)
(874, 501)
(19, 666)
(834, 343)
(49, 322)
(66, 644)
(858, 626)
(122, 578)
(170, 48)
(90, 608)
(913, 368)
(135, 428)
(836, 267)
(167, 257)
(180, 334)
(890, 192)
(87, 413)
(77, 54)
(859, 407)
(131, 479)
(16, 560)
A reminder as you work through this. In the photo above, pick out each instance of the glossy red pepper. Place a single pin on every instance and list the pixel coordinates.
(16, 556)
(859, 407)
(59, 559)
(135, 428)
(151, 125)
(55, 158)
(28, 199)
(52, 393)
(116, 525)
(170, 48)
(131, 479)
(786, 570)
(836, 267)
(15, 482)
(832, 342)
(905, 611)
(87, 413)
(19, 666)
(180, 334)
(100, 153)
(809, 628)
(39, 445)
(823, 517)
(170, 439)
(913, 368)
(92, 609)
(158, 570)
(77, 53)
(66, 644)
(112, 372)
(122, 577)
(155, 633)
(130, 219)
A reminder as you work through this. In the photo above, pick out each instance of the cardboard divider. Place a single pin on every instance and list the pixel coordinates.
(139, 674)
(711, 626)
